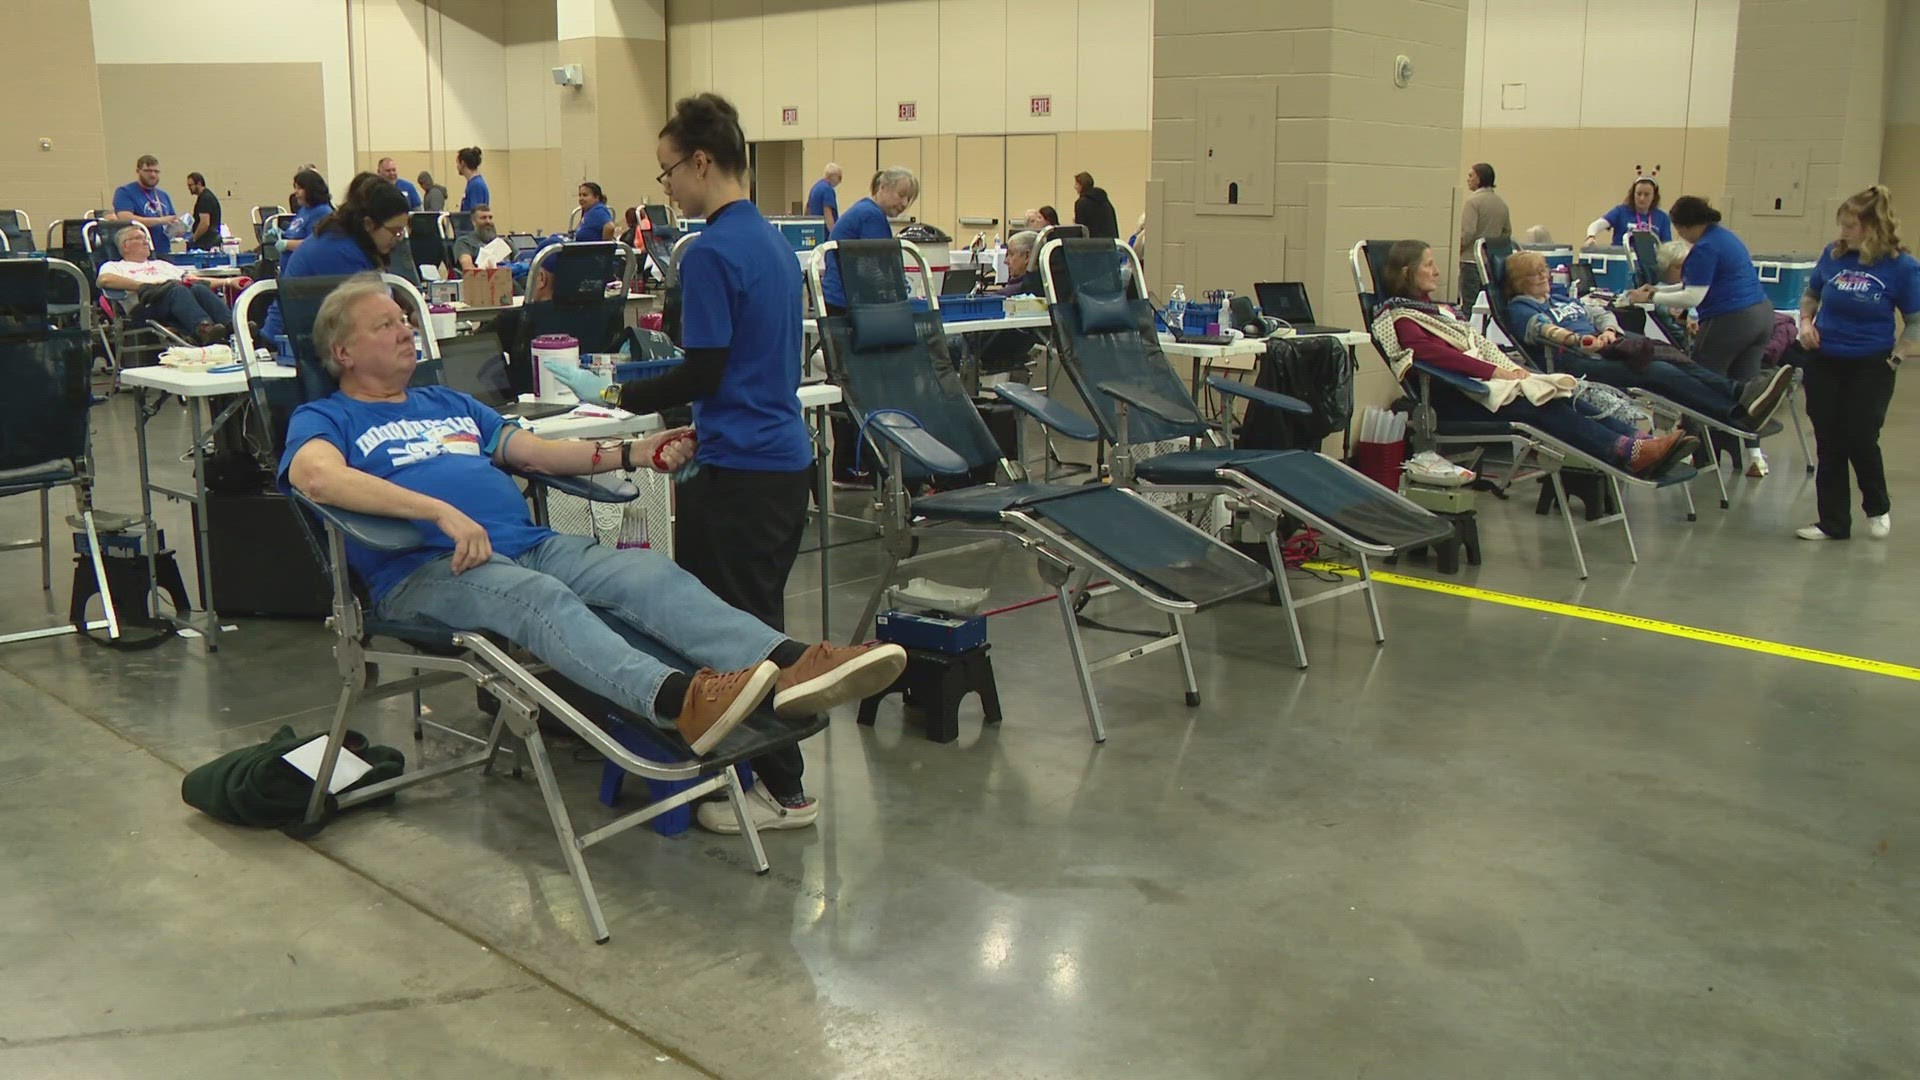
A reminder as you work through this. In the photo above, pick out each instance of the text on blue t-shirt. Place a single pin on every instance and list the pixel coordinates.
(1720, 261)
(304, 219)
(863, 220)
(437, 443)
(1857, 302)
(1625, 219)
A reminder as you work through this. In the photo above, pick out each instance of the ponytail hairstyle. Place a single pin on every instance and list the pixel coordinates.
(1873, 208)
(599, 196)
(708, 123)
(1692, 211)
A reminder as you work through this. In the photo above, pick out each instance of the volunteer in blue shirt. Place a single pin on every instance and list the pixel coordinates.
(1639, 212)
(742, 514)
(316, 202)
(1851, 355)
(143, 203)
(823, 201)
(390, 172)
(893, 190)
(596, 217)
(468, 161)
(359, 237)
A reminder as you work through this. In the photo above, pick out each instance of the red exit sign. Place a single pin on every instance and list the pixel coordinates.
(790, 116)
(908, 111)
(1042, 106)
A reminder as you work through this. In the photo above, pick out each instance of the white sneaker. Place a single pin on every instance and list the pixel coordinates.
(1879, 526)
(717, 815)
(1810, 532)
(1756, 463)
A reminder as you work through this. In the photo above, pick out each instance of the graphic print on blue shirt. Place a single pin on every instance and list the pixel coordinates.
(1625, 219)
(741, 292)
(863, 220)
(1720, 261)
(435, 443)
(1531, 315)
(146, 202)
(1857, 303)
(304, 220)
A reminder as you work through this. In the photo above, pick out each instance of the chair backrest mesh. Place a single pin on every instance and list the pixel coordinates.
(872, 271)
(43, 414)
(576, 301)
(1130, 357)
(1645, 248)
(423, 236)
(19, 237)
(1496, 254)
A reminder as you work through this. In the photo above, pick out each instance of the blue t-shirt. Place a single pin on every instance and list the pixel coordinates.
(304, 219)
(1533, 315)
(476, 194)
(438, 442)
(594, 222)
(325, 254)
(740, 288)
(821, 197)
(147, 202)
(1857, 302)
(1720, 261)
(412, 193)
(863, 220)
(1625, 219)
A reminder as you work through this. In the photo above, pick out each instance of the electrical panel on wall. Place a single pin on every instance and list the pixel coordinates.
(1780, 185)
(1236, 150)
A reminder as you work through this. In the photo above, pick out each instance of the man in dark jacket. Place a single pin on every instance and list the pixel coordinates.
(1093, 209)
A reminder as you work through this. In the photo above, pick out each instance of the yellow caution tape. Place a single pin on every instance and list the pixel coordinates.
(1636, 622)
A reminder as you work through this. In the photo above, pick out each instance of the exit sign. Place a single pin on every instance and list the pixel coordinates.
(1042, 105)
(908, 110)
(790, 116)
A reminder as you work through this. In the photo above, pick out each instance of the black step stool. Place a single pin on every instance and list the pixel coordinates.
(127, 577)
(1591, 488)
(934, 684)
(1446, 553)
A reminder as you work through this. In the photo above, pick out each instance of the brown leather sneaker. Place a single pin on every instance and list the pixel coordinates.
(828, 675)
(717, 702)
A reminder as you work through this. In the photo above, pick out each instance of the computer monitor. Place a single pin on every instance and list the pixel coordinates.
(523, 245)
(658, 215)
(1284, 300)
(474, 364)
(959, 281)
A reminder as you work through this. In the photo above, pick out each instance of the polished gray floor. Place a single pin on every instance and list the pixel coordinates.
(1509, 844)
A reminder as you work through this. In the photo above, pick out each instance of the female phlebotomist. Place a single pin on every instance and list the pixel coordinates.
(1639, 212)
(741, 515)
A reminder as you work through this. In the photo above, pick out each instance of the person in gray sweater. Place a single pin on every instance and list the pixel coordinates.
(1484, 217)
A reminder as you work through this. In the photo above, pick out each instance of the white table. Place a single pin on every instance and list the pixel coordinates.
(1038, 321)
(195, 386)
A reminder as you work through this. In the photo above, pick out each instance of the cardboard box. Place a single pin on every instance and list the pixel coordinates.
(487, 288)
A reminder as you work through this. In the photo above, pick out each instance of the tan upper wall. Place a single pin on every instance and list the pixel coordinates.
(69, 176)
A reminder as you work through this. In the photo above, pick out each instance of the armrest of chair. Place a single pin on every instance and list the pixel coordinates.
(914, 441)
(590, 488)
(1148, 402)
(1464, 383)
(367, 530)
(1264, 397)
(1049, 412)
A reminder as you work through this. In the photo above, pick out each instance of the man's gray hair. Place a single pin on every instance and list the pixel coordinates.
(895, 177)
(1023, 241)
(334, 324)
(1671, 253)
(121, 234)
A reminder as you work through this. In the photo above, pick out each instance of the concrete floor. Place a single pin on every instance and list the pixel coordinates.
(1509, 844)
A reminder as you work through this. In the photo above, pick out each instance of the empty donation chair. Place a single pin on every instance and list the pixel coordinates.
(367, 647)
(904, 392)
(46, 359)
(430, 236)
(16, 232)
(1103, 330)
(1531, 453)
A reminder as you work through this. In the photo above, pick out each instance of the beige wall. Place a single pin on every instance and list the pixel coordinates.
(1571, 100)
(55, 96)
(1900, 146)
(971, 69)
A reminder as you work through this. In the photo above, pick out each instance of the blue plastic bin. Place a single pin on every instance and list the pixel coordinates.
(629, 370)
(967, 308)
(1785, 278)
(613, 777)
(1198, 317)
(1612, 267)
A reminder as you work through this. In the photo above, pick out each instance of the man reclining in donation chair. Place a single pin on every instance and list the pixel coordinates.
(378, 446)
(164, 293)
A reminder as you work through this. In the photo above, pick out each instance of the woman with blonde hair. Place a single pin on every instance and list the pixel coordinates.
(1851, 355)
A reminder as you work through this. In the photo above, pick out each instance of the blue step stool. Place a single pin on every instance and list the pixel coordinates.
(636, 738)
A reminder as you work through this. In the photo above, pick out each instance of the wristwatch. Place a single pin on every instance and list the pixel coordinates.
(626, 455)
(610, 394)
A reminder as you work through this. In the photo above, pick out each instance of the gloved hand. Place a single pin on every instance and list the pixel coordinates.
(584, 382)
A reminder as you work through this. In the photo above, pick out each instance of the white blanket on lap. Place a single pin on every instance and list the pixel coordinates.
(1535, 387)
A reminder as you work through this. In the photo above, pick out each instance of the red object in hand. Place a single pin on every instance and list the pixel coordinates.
(1588, 341)
(659, 463)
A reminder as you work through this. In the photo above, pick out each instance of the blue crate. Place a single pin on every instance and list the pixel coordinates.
(201, 260)
(1785, 278)
(1612, 267)
(634, 736)
(629, 370)
(931, 632)
(1198, 316)
(968, 308)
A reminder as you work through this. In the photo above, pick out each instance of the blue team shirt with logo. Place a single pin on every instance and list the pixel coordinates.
(147, 202)
(1857, 302)
(439, 443)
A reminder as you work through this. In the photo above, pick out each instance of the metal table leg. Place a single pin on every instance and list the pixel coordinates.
(140, 418)
(823, 494)
(210, 618)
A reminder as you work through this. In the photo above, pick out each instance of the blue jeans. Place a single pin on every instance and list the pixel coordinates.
(187, 306)
(1558, 418)
(1698, 388)
(551, 601)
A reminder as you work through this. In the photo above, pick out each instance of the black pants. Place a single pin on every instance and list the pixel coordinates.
(739, 533)
(1847, 401)
(1470, 285)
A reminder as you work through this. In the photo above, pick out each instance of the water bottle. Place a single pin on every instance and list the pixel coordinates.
(230, 247)
(1177, 310)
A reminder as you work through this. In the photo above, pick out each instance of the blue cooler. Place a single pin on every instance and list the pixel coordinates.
(1612, 267)
(1785, 278)
(1558, 256)
(804, 234)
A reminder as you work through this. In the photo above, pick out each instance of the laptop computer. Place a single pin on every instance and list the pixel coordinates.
(1287, 300)
(523, 245)
(959, 281)
(473, 364)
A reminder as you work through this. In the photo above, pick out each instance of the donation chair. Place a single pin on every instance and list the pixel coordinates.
(259, 216)
(430, 235)
(1532, 454)
(16, 232)
(913, 412)
(1492, 257)
(434, 654)
(1103, 330)
(131, 340)
(46, 360)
